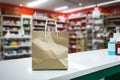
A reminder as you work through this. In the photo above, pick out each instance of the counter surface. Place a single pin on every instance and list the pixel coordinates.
(80, 64)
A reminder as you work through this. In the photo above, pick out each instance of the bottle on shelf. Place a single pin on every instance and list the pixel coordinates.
(8, 34)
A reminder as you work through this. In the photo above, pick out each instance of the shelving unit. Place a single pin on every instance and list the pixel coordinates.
(11, 23)
(17, 47)
(62, 26)
(96, 38)
(27, 25)
(89, 37)
(39, 24)
(77, 34)
(77, 45)
(111, 22)
(18, 43)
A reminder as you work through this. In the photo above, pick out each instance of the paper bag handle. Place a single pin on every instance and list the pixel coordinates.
(47, 26)
(47, 23)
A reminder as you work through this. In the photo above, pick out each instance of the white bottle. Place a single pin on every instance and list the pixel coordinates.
(8, 34)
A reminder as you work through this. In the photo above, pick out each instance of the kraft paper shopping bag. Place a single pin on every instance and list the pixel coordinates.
(49, 50)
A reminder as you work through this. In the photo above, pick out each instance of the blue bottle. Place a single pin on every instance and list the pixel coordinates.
(112, 47)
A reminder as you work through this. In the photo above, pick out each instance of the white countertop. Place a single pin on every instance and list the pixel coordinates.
(79, 64)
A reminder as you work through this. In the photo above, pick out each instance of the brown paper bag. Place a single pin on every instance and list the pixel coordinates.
(49, 50)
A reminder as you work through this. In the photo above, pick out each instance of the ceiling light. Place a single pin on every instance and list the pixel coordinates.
(61, 8)
(76, 9)
(21, 4)
(109, 2)
(100, 4)
(37, 2)
(80, 4)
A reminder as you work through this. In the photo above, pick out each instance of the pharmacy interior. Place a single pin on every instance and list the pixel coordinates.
(91, 25)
